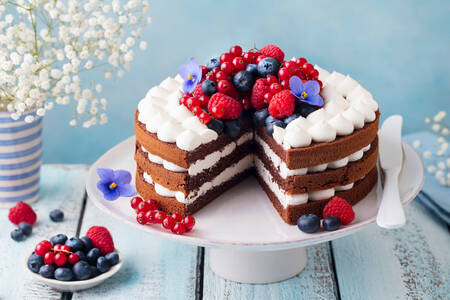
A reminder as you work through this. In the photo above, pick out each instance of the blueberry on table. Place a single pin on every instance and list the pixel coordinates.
(58, 239)
(112, 258)
(17, 235)
(82, 270)
(75, 244)
(35, 262)
(56, 215)
(309, 223)
(87, 244)
(268, 66)
(331, 223)
(103, 264)
(47, 271)
(63, 274)
(25, 228)
(93, 255)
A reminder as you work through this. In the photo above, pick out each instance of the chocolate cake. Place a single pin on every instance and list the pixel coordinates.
(310, 139)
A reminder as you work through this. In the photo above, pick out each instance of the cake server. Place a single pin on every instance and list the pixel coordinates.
(390, 213)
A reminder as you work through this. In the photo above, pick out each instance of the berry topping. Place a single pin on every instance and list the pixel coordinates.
(308, 223)
(243, 81)
(272, 51)
(22, 212)
(268, 66)
(223, 106)
(238, 63)
(331, 223)
(252, 68)
(216, 125)
(282, 104)
(213, 63)
(291, 118)
(227, 67)
(56, 215)
(259, 90)
(232, 128)
(198, 91)
(236, 51)
(269, 126)
(304, 109)
(338, 207)
(260, 116)
(224, 86)
(226, 57)
(209, 87)
(101, 239)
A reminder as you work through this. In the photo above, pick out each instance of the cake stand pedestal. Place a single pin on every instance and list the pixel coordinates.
(249, 242)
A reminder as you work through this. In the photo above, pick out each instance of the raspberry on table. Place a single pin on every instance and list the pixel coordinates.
(22, 212)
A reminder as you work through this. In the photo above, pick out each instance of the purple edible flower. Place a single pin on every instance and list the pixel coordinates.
(191, 74)
(115, 183)
(306, 91)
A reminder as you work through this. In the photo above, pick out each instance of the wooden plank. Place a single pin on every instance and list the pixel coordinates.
(153, 268)
(316, 281)
(412, 262)
(61, 187)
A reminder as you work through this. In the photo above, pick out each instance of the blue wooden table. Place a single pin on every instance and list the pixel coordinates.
(408, 263)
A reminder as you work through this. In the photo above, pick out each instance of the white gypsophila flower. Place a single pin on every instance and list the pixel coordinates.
(440, 152)
(447, 161)
(416, 144)
(436, 127)
(444, 146)
(439, 116)
(73, 122)
(108, 75)
(427, 154)
(427, 120)
(98, 88)
(431, 169)
(445, 131)
(441, 165)
(439, 174)
(440, 139)
(143, 45)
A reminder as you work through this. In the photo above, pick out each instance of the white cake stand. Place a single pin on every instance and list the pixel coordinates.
(249, 242)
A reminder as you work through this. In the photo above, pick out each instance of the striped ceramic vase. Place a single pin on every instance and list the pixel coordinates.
(20, 159)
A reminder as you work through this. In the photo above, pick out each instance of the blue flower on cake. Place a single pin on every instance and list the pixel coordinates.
(115, 183)
(191, 74)
(307, 91)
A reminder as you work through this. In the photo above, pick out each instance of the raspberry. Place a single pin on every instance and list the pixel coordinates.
(198, 91)
(223, 104)
(101, 239)
(272, 51)
(282, 104)
(22, 212)
(259, 89)
(339, 208)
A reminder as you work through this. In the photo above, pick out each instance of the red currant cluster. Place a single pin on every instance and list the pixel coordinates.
(148, 213)
(58, 254)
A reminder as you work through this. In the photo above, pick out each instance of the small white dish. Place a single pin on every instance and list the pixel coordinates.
(73, 286)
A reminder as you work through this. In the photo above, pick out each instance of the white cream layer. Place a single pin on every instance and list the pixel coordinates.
(285, 171)
(202, 164)
(228, 173)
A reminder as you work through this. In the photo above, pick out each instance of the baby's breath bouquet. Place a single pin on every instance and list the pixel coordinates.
(46, 47)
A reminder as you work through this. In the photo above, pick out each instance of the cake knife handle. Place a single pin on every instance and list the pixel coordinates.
(391, 214)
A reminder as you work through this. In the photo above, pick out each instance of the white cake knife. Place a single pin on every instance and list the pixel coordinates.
(390, 213)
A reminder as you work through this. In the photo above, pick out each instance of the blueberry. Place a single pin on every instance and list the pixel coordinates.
(268, 66)
(216, 125)
(309, 223)
(291, 118)
(63, 274)
(93, 255)
(252, 68)
(259, 117)
(82, 270)
(232, 128)
(75, 244)
(81, 255)
(304, 109)
(112, 258)
(103, 264)
(94, 272)
(269, 127)
(18, 235)
(56, 215)
(213, 63)
(35, 262)
(26, 228)
(47, 271)
(331, 223)
(87, 243)
(269, 120)
(242, 117)
(209, 87)
(58, 239)
(243, 81)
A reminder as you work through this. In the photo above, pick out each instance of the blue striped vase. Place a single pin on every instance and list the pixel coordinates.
(20, 159)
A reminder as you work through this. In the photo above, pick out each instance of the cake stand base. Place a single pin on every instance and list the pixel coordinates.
(257, 266)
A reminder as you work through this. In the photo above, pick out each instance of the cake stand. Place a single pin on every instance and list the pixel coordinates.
(249, 242)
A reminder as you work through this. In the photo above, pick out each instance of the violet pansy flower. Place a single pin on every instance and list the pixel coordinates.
(115, 183)
(191, 74)
(307, 91)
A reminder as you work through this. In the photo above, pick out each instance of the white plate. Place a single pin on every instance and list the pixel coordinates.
(243, 217)
(73, 286)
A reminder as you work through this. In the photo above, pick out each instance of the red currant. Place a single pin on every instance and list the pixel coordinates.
(49, 258)
(236, 51)
(215, 71)
(248, 57)
(203, 100)
(284, 74)
(267, 97)
(136, 200)
(307, 68)
(246, 103)
(179, 228)
(227, 67)
(260, 58)
(210, 76)
(60, 259)
(42, 248)
(314, 74)
(183, 100)
(221, 75)
(177, 217)
(73, 258)
(65, 248)
(204, 70)
(291, 66)
(224, 86)
(143, 206)
(160, 216)
(275, 88)
(153, 204)
(320, 83)
(205, 118)
(226, 57)
(239, 63)
(140, 218)
(57, 247)
(192, 102)
(150, 216)
(271, 79)
(300, 61)
(168, 223)
(285, 84)
(197, 110)
(300, 74)
(189, 222)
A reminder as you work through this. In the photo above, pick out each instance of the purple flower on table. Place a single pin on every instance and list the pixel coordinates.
(307, 91)
(115, 183)
(191, 74)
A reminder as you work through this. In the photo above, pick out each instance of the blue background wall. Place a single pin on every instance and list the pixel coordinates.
(398, 50)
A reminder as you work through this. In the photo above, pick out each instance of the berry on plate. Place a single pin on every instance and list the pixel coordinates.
(338, 207)
(331, 223)
(103, 264)
(93, 255)
(47, 271)
(63, 274)
(101, 239)
(22, 212)
(179, 228)
(87, 244)
(56, 215)
(112, 258)
(134, 202)
(282, 104)
(309, 223)
(75, 244)
(42, 248)
(189, 223)
(82, 270)
(272, 51)
(35, 262)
